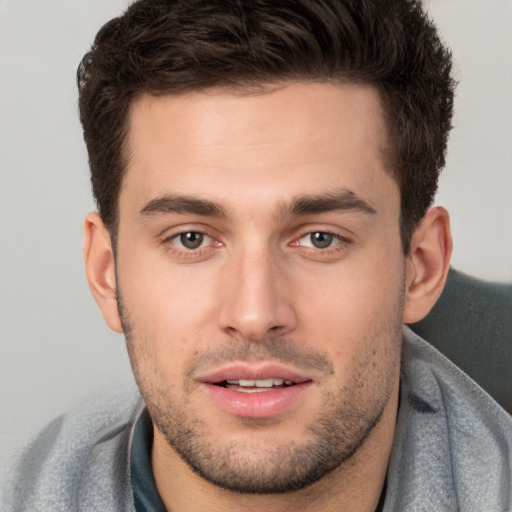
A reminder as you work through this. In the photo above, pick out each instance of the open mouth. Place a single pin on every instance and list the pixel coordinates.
(256, 396)
(255, 386)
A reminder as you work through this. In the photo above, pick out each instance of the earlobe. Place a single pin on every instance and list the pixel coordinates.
(428, 263)
(100, 268)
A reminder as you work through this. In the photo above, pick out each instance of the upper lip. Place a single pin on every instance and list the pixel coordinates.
(253, 371)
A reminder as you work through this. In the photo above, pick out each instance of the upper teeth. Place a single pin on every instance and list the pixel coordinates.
(260, 383)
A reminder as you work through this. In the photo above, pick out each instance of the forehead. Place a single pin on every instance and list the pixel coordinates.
(266, 146)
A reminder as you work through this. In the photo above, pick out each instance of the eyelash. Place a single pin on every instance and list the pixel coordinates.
(174, 245)
(339, 246)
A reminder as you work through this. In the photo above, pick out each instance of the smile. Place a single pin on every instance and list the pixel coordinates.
(256, 389)
(255, 386)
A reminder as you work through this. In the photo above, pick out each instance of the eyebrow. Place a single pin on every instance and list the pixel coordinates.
(182, 204)
(301, 205)
(342, 200)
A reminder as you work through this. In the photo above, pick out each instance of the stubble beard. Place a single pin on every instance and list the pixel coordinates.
(346, 419)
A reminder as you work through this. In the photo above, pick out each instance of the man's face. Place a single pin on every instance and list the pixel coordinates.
(260, 275)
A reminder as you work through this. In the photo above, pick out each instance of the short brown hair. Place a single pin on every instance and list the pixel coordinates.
(172, 46)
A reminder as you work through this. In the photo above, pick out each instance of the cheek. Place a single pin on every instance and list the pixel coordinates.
(169, 312)
(349, 312)
(157, 289)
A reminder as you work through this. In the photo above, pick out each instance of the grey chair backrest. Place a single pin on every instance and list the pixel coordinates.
(472, 325)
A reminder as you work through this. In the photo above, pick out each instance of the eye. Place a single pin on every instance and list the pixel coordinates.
(319, 240)
(191, 240)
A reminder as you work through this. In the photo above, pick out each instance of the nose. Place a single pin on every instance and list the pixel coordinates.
(255, 297)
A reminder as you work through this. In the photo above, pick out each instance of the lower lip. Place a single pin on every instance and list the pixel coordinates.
(256, 405)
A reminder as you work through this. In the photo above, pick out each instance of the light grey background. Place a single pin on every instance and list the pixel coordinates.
(54, 347)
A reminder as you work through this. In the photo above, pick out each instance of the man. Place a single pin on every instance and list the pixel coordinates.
(264, 173)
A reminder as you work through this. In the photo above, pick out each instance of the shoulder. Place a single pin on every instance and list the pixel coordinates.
(453, 442)
(65, 466)
(429, 374)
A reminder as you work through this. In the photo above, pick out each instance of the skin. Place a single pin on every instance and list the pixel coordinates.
(250, 177)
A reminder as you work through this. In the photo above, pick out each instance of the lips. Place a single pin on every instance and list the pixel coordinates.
(254, 372)
(255, 391)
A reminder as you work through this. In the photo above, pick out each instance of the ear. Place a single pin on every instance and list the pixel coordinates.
(100, 268)
(427, 264)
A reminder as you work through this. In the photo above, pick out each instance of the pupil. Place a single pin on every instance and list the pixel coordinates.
(321, 240)
(191, 240)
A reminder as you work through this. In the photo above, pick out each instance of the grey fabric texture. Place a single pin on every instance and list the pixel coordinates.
(452, 449)
(471, 324)
(453, 443)
(80, 461)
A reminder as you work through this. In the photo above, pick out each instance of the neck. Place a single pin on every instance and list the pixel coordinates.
(357, 483)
